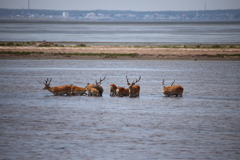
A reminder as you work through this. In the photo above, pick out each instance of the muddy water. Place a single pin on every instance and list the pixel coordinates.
(203, 124)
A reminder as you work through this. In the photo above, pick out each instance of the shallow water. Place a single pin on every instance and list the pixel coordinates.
(157, 32)
(203, 124)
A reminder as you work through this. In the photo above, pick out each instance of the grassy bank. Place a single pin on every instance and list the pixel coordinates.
(105, 55)
(20, 53)
(55, 44)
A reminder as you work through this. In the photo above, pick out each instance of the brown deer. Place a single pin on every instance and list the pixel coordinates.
(58, 90)
(133, 89)
(121, 91)
(95, 89)
(172, 90)
(91, 90)
(78, 90)
(112, 88)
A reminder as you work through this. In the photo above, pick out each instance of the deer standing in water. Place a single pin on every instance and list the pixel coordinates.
(121, 91)
(95, 89)
(78, 90)
(112, 88)
(57, 90)
(172, 90)
(134, 90)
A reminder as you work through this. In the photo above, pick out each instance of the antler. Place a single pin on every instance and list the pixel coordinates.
(46, 82)
(137, 80)
(127, 80)
(163, 83)
(172, 82)
(50, 81)
(98, 83)
(133, 81)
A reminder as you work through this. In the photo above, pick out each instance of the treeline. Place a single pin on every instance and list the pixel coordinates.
(234, 13)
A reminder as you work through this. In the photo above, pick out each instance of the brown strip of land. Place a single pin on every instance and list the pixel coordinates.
(142, 53)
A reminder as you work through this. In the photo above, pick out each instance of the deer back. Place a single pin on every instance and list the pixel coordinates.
(89, 88)
(77, 90)
(60, 90)
(173, 90)
(94, 90)
(120, 92)
(134, 91)
(125, 92)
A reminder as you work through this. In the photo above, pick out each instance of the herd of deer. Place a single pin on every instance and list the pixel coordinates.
(133, 90)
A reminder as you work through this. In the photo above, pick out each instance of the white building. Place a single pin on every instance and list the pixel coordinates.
(91, 16)
(65, 14)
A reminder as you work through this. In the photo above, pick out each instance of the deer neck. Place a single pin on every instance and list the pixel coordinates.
(130, 90)
(50, 89)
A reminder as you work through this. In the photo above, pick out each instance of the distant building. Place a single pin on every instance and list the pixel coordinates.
(65, 14)
(91, 16)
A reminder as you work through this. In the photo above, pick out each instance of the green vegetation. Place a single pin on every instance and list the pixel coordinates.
(51, 44)
(224, 55)
(20, 53)
(202, 46)
(31, 43)
(17, 43)
(80, 45)
(10, 44)
(105, 55)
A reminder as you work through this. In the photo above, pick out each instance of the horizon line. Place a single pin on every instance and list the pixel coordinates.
(125, 10)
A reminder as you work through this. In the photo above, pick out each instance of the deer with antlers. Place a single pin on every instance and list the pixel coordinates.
(172, 90)
(57, 90)
(75, 90)
(95, 89)
(121, 91)
(133, 89)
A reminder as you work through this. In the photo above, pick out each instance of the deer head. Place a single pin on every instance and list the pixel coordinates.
(47, 84)
(133, 83)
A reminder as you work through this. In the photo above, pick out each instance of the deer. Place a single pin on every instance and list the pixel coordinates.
(95, 89)
(57, 90)
(78, 90)
(91, 90)
(121, 91)
(112, 88)
(172, 90)
(133, 89)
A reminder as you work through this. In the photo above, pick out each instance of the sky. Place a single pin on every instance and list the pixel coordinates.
(135, 5)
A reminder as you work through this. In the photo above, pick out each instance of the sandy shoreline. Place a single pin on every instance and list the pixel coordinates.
(142, 53)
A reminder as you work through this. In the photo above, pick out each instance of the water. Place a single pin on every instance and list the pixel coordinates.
(155, 32)
(203, 124)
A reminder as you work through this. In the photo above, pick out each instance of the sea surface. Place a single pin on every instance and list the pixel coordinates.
(156, 33)
(203, 124)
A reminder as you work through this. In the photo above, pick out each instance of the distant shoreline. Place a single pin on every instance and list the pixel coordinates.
(49, 50)
(156, 44)
(48, 20)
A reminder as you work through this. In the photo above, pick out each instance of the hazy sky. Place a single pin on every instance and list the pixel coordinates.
(136, 5)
